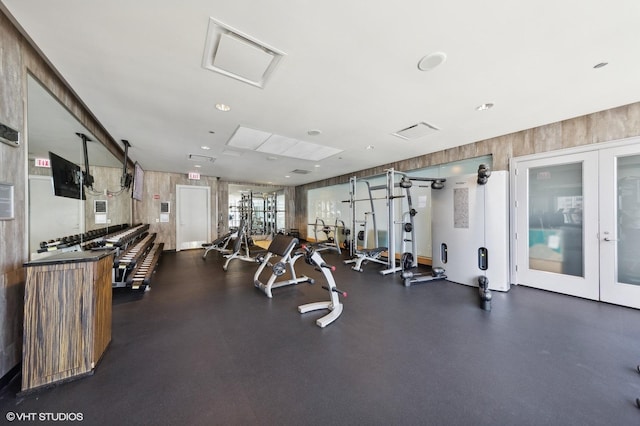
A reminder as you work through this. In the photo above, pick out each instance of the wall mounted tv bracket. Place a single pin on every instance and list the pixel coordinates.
(9, 135)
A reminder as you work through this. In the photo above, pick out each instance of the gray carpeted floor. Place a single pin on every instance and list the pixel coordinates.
(206, 347)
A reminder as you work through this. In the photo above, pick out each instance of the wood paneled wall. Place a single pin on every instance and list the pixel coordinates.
(18, 59)
(610, 125)
(159, 187)
(13, 244)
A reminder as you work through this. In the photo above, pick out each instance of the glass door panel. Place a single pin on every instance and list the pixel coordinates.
(556, 224)
(620, 225)
(555, 219)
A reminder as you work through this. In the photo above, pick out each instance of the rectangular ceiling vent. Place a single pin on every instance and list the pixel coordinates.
(201, 158)
(300, 171)
(416, 131)
(237, 55)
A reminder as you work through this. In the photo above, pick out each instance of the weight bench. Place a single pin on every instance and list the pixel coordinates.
(367, 255)
(240, 245)
(220, 244)
(281, 245)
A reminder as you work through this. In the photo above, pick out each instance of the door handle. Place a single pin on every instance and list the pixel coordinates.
(609, 239)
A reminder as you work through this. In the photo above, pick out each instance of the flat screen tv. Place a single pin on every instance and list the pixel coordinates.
(138, 178)
(66, 178)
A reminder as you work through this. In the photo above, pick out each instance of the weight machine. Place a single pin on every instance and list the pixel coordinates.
(312, 257)
(365, 254)
(281, 245)
(470, 226)
(241, 247)
(407, 222)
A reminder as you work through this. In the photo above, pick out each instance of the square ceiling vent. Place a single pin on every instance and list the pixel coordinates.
(416, 131)
(237, 55)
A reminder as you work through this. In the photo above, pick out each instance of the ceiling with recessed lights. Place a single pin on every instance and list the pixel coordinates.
(325, 80)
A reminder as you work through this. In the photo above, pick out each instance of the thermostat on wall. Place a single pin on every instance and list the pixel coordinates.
(100, 210)
(164, 211)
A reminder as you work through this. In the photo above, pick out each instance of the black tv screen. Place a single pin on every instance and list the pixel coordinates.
(66, 178)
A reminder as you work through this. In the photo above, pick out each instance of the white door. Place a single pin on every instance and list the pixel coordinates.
(193, 216)
(620, 225)
(556, 224)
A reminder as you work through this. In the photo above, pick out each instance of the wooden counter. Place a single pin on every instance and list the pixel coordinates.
(67, 316)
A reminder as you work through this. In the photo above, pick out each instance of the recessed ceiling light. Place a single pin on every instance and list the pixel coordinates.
(317, 165)
(314, 132)
(287, 176)
(206, 148)
(484, 107)
(370, 147)
(431, 61)
(197, 166)
(600, 65)
(223, 107)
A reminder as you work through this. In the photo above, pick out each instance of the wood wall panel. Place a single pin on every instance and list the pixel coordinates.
(13, 244)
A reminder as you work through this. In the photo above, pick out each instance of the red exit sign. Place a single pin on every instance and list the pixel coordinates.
(194, 176)
(43, 162)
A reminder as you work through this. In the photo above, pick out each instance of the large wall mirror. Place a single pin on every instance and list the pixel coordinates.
(262, 208)
(52, 128)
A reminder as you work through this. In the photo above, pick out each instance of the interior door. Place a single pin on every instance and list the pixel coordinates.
(557, 241)
(193, 216)
(620, 225)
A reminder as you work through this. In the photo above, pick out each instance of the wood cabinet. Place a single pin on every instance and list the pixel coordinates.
(67, 316)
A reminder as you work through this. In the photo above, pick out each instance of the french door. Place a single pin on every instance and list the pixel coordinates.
(577, 223)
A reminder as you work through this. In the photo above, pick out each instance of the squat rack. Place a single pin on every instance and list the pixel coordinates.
(392, 182)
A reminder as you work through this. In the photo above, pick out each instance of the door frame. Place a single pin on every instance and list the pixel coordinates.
(207, 190)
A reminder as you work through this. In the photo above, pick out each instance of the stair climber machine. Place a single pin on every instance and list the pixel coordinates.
(470, 230)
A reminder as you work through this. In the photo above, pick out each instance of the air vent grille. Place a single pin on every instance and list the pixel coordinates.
(416, 131)
(300, 171)
(234, 54)
(201, 158)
